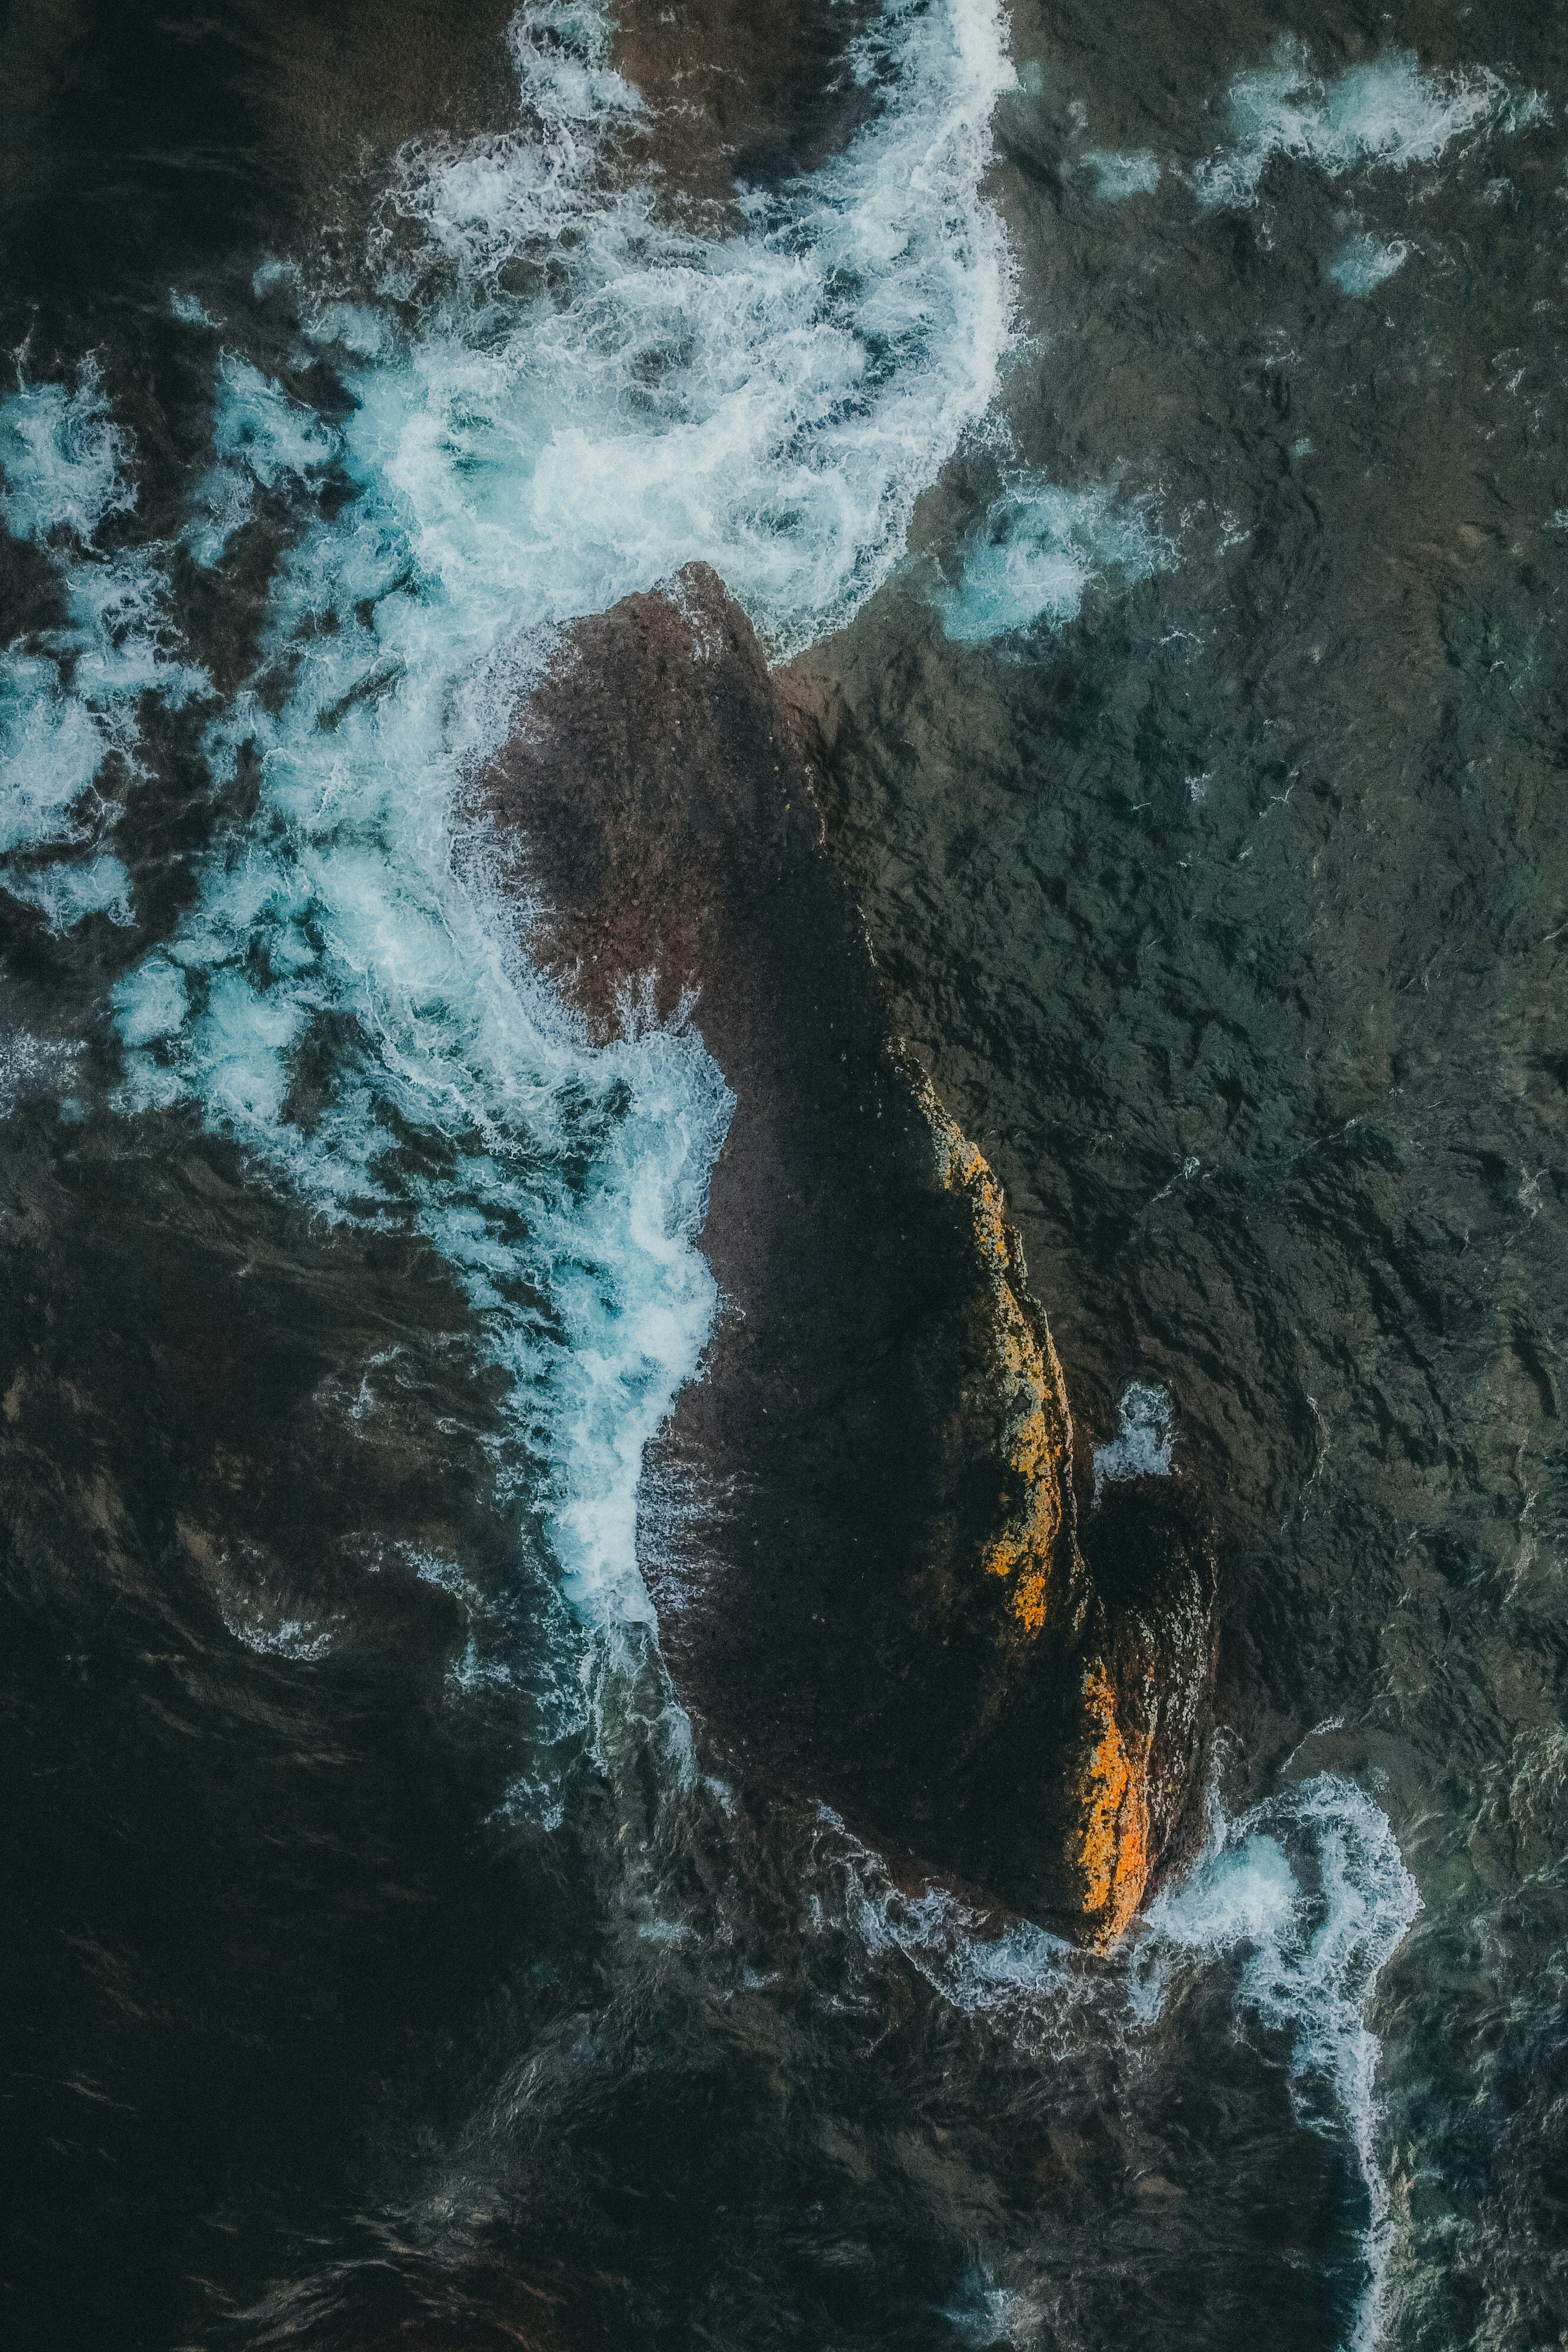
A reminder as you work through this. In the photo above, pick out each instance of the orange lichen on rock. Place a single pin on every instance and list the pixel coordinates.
(1109, 1846)
(1104, 1800)
(1028, 1379)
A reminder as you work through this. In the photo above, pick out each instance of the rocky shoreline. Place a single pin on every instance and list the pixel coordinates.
(893, 1610)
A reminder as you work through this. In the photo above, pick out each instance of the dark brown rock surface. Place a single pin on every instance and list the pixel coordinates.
(740, 95)
(891, 1612)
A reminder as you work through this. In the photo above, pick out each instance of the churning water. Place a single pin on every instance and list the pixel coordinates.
(711, 2074)
(771, 401)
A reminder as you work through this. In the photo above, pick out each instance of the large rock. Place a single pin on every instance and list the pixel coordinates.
(739, 95)
(889, 1608)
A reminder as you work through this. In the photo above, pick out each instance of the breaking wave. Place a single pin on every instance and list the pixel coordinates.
(589, 398)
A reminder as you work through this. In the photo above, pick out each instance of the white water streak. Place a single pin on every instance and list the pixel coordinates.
(1312, 1960)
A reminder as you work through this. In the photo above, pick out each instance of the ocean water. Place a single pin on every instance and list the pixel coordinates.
(1038, 549)
(390, 1959)
(71, 700)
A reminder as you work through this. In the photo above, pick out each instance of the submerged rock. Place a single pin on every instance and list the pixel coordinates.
(887, 1605)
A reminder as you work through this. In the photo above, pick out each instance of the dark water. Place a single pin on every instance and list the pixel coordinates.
(381, 1965)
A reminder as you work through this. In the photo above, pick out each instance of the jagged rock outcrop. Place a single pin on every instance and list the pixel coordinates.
(740, 95)
(891, 1609)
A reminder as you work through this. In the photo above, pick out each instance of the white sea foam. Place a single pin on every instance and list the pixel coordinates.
(1307, 1891)
(1118, 175)
(189, 308)
(1387, 113)
(259, 437)
(29, 1065)
(1366, 262)
(68, 701)
(284, 1637)
(1142, 1446)
(987, 2316)
(1315, 1934)
(1007, 1968)
(65, 461)
(771, 401)
(1036, 554)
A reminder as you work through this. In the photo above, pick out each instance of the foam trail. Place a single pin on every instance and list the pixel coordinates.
(1314, 1959)
(1309, 1889)
(588, 398)
(1013, 1969)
